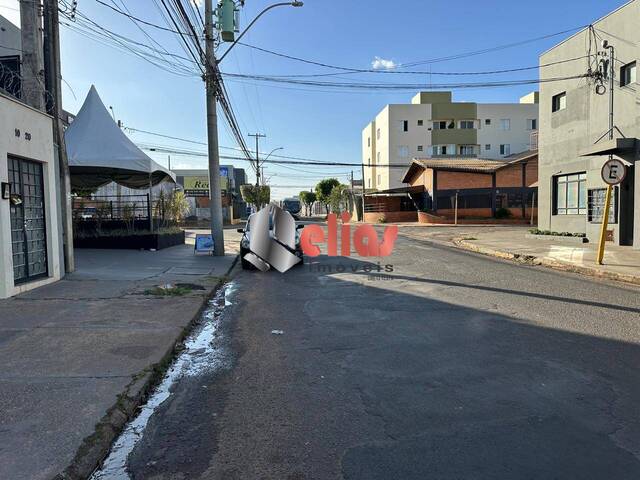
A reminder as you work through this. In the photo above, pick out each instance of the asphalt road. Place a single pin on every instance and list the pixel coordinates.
(459, 366)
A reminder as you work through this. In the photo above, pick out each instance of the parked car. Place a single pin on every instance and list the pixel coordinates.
(88, 213)
(245, 242)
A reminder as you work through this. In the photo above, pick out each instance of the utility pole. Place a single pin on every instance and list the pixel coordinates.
(257, 136)
(211, 84)
(53, 77)
(33, 87)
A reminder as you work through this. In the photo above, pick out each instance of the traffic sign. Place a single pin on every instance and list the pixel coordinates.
(613, 172)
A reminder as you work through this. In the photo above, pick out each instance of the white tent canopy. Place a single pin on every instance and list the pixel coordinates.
(99, 152)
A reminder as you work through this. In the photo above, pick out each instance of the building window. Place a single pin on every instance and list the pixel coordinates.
(505, 124)
(379, 182)
(596, 205)
(369, 182)
(378, 134)
(532, 124)
(441, 125)
(420, 123)
(559, 102)
(403, 151)
(505, 149)
(405, 125)
(420, 148)
(369, 141)
(466, 149)
(467, 124)
(570, 194)
(487, 146)
(378, 157)
(487, 121)
(628, 74)
(442, 150)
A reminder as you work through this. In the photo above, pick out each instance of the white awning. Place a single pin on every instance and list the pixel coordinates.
(99, 152)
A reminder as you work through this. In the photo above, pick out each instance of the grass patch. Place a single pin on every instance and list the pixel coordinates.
(536, 231)
(177, 291)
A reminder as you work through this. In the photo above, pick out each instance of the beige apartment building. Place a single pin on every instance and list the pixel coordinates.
(574, 125)
(434, 126)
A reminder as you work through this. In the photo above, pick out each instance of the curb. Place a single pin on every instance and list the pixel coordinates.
(545, 262)
(95, 447)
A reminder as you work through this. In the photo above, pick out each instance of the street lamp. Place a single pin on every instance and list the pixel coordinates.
(265, 159)
(282, 4)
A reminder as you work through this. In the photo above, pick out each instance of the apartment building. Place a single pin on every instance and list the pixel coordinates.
(574, 122)
(433, 126)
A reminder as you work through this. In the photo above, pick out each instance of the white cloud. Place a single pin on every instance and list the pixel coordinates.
(382, 64)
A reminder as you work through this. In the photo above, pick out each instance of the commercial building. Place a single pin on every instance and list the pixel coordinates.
(471, 188)
(434, 126)
(30, 239)
(31, 252)
(574, 125)
(195, 184)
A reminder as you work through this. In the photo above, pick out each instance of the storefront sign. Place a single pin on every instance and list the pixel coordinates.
(198, 186)
(204, 243)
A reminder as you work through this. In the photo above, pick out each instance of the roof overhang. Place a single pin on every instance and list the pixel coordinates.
(621, 147)
(396, 191)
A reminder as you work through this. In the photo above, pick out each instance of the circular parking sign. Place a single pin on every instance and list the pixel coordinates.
(613, 172)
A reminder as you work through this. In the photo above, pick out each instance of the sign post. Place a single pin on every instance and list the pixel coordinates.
(613, 173)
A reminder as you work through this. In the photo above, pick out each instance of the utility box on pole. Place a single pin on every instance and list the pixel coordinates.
(227, 20)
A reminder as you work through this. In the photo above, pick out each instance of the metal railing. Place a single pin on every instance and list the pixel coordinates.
(113, 207)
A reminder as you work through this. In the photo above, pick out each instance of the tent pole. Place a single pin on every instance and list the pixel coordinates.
(150, 204)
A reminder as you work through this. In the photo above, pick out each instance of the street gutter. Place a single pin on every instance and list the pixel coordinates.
(95, 448)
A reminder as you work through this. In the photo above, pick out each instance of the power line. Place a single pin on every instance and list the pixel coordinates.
(277, 162)
(159, 27)
(410, 64)
(399, 86)
(422, 72)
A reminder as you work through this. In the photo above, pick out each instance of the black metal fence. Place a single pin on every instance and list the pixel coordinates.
(112, 207)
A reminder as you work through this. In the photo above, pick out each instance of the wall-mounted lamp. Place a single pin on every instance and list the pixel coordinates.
(6, 191)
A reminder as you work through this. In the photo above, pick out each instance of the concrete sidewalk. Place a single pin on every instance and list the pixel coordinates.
(79, 355)
(513, 243)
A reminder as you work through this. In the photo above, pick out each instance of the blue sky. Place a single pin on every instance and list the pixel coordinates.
(309, 122)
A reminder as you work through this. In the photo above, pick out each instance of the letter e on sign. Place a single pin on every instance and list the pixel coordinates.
(613, 172)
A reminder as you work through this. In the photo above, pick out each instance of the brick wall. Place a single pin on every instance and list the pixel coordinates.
(424, 178)
(510, 176)
(462, 180)
(391, 217)
(532, 172)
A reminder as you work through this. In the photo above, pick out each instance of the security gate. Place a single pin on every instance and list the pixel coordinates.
(28, 234)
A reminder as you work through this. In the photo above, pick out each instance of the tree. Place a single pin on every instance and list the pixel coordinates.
(258, 196)
(323, 191)
(307, 199)
(177, 206)
(339, 198)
